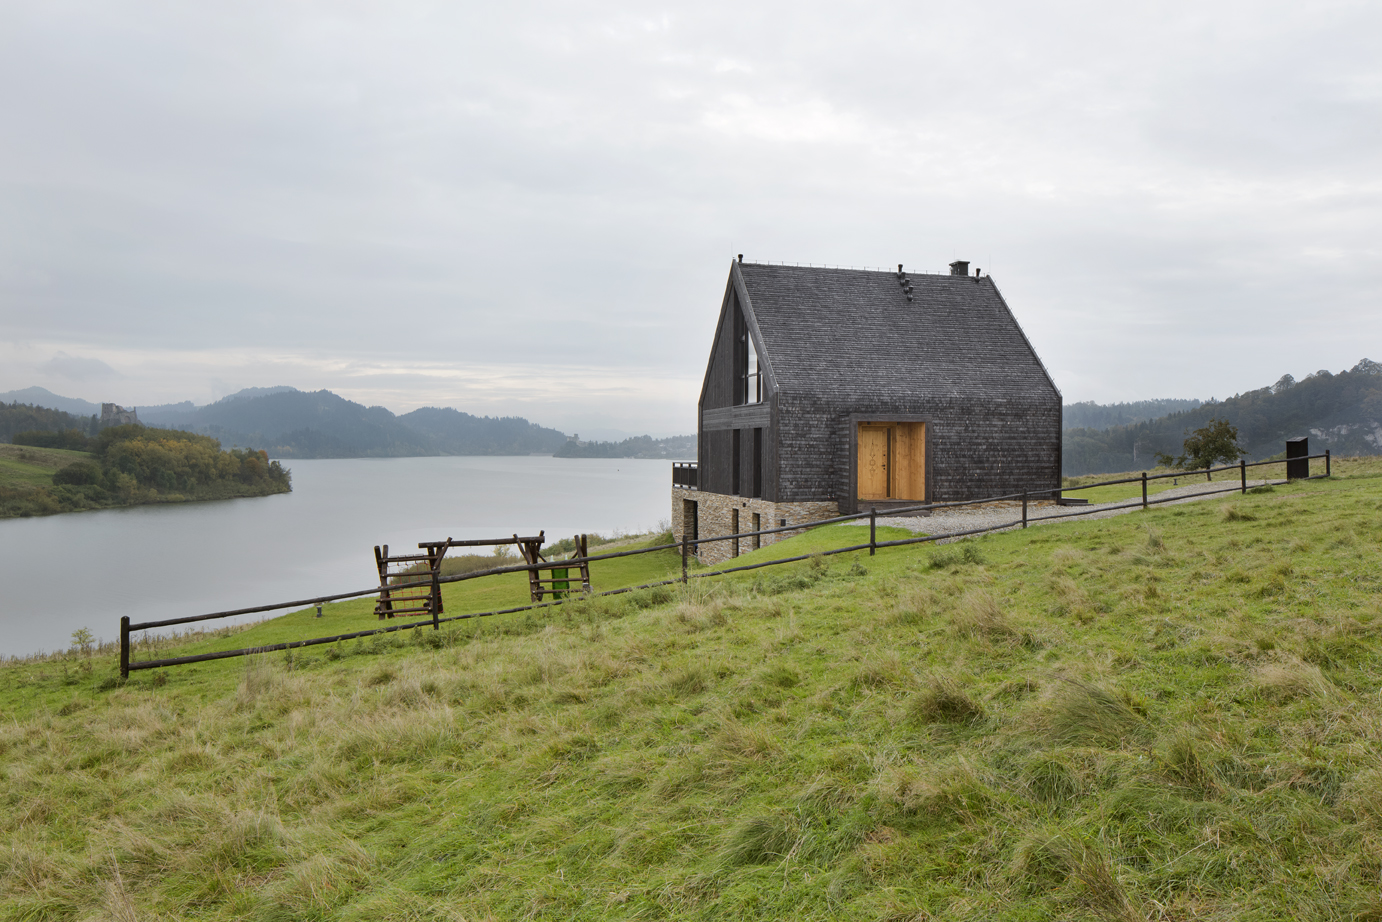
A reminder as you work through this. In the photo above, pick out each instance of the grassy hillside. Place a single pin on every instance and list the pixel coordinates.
(25, 466)
(1165, 715)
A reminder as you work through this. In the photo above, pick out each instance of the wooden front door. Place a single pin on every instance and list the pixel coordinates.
(873, 461)
(892, 461)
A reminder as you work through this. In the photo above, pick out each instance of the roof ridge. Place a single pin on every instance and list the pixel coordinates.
(885, 270)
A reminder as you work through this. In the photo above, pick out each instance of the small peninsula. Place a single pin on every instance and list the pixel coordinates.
(43, 473)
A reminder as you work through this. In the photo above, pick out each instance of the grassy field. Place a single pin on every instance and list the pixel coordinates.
(1125, 492)
(22, 466)
(1164, 715)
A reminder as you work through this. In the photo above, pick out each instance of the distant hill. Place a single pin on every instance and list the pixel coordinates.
(455, 433)
(290, 423)
(1090, 415)
(166, 414)
(1341, 412)
(42, 397)
(298, 424)
(676, 448)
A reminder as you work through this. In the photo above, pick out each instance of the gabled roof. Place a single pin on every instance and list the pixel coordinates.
(853, 333)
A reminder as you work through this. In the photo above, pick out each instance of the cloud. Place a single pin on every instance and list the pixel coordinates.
(78, 368)
(398, 200)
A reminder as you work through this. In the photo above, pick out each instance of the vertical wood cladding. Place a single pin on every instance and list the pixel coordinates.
(720, 378)
(736, 463)
(715, 460)
(736, 455)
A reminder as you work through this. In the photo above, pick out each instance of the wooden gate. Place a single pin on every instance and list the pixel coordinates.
(557, 582)
(421, 598)
(422, 574)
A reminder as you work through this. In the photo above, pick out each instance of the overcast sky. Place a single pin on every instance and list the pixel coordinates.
(531, 208)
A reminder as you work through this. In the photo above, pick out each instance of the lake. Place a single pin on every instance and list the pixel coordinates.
(64, 572)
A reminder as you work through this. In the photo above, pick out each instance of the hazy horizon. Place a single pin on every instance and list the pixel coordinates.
(531, 211)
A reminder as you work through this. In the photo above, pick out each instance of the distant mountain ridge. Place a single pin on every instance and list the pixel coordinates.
(290, 423)
(42, 397)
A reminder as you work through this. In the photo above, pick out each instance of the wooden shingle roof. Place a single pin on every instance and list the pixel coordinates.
(852, 333)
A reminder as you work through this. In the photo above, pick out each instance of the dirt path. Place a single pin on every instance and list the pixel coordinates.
(946, 521)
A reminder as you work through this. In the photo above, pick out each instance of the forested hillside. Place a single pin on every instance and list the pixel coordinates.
(675, 448)
(1090, 415)
(126, 466)
(455, 433)
(23, 417)
(1340, 412)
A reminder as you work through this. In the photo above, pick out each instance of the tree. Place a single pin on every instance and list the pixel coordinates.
(78, 473)
(1214, 443)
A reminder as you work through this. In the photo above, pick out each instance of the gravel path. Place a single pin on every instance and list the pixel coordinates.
(967, 518)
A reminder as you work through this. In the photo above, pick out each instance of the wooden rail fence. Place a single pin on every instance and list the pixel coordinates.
(559, 588)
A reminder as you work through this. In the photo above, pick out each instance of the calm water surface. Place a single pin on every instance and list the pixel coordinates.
(64, 572)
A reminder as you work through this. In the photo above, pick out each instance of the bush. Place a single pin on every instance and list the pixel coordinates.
(78, 473)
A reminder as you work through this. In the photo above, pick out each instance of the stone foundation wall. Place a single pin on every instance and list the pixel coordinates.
(716, 517)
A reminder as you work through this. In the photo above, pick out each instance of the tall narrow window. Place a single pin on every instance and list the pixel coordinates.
(748, 369)
(753, 378)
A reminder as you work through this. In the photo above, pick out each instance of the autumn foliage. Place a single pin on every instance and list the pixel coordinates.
(134, 464)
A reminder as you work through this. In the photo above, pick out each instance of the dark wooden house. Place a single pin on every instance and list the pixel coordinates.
(832, 390)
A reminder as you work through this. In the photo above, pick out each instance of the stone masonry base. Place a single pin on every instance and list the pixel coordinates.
(718, 515)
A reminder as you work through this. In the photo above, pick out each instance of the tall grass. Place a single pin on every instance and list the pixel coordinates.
(1030, 734)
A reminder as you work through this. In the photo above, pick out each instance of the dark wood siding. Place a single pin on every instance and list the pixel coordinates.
(974, 449)
(719, 379)
(721, 418)
(849, 345)
(714, 461)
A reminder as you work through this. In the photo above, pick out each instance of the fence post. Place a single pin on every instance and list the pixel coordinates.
(1243, 472)
(1024, 510)
(1326, 462)
(1144, 491)
(124, 646)
(873, 529)
(685, 547)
